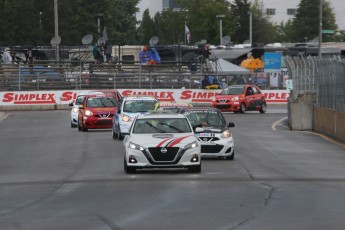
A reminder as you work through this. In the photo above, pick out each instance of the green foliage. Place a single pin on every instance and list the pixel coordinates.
(306, 21)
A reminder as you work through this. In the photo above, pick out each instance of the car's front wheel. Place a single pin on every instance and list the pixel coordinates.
(263, 108)
(79, 126)
(128, 169)
(119, 135)
(83, 127)
(243, 108)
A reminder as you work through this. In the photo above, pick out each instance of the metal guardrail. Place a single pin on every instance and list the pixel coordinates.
(323, 76)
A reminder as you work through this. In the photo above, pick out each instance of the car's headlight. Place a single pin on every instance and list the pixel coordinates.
(235, 98)
(126, 118)
(192, 145)
(75, 110)
(131, 145)
(226, 134)
(88, 113)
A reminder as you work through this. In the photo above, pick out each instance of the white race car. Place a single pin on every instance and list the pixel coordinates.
(131, 106)
(75, 108)
(161, 140)
(216, 138)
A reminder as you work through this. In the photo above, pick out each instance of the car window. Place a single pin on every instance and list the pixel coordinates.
(205, 118)
(138, 106)
(232, 91)
(162, 125)
(99, 102)
(79, 100)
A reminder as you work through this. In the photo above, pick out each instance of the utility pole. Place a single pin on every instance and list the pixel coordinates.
(56, 22)
(220, 28)
(250, 28)
(320, 29)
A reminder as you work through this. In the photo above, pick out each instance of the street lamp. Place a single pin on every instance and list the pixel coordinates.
(41, 20)
(250, 28)
(99, 15)
(220, 16)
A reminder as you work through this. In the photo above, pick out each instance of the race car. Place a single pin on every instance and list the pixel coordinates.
(172, 106)
(216, 138)
(161, 140)
(240, 98)
(97, 112)
(131, 106)
(78, 101)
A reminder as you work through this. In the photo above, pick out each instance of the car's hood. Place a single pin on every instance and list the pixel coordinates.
(163, 139)
(226, 97)
(213, 129)
(102, 110)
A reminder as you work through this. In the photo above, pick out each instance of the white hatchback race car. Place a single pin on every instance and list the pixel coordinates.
(161, 140)
(131, 106)
(216, 138)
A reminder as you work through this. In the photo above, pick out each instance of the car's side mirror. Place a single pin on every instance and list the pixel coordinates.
(70, 104)
(118, 110)
(81, 106)
(231, 124)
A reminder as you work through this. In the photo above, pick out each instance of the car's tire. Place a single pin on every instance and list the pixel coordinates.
(195, 169)
(128, 169)
(263, 108)
(231, 157)
(114, 134)
(83, 127)
(119, 135)
(79, 126)
(242, 108)
(73, 125)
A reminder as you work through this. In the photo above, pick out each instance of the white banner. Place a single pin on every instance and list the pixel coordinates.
(64, 97)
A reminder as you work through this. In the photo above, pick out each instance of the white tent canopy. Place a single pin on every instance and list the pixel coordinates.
(222, 66)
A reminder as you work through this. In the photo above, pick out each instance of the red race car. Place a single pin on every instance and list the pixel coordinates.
(240, 98)
(97, 112)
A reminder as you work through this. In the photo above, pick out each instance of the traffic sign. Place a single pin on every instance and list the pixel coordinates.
(328, 31)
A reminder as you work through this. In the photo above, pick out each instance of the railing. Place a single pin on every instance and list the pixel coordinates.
(87, 75)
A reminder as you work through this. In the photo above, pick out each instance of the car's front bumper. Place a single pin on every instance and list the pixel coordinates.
(228, 106)
(221, 148)
(146, 159)
(98, 123)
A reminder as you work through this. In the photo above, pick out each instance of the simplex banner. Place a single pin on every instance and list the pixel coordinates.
(64, 97)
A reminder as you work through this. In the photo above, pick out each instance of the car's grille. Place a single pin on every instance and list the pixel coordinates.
(103, 115)
(159, 154)
(221, 106)
(211, 148)
(103, 122)
(208, 138)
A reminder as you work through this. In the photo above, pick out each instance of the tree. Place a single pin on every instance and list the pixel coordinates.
(306, 21)
(146, 29)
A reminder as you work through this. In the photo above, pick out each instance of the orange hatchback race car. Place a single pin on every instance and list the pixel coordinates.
(240, 98)
(97, 112)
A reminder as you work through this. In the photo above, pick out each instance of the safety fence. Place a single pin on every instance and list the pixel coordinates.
(87, 75)
(323, 76)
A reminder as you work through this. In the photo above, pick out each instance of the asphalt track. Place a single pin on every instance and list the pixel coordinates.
(54, 177)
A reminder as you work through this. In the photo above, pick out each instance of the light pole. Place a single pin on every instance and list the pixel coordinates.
(220, 27)
(41, 20)
(56, 22)
(99, 15)
(250, 28)
(320, 28)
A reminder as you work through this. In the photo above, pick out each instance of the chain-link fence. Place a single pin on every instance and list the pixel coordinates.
(323, 76)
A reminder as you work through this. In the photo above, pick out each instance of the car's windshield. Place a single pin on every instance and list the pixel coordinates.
(139, 106)
(99, 102)
(162, 125)
(233, 90)
(205, 117)
(79, 100)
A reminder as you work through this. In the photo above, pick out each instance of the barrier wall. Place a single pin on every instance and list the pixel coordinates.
(37, 100)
